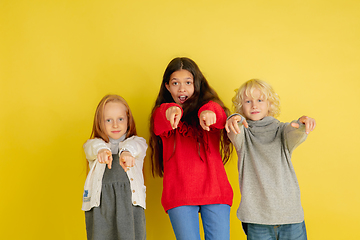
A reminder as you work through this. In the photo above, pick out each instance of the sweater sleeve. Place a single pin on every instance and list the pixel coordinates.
(219, 112)
(161, 124)
(237, 139)
(136, 146)
(294, 136)
(93, 146)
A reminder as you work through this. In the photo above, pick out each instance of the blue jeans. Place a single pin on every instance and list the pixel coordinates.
(295, 231)
(215, 218)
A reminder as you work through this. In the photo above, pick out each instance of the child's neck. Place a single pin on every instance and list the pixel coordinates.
(114, 143)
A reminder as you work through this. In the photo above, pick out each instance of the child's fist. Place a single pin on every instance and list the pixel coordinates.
(173, 114)
(105, 156)
(309, 122)
(232, 124)
(207, 118)
(126, 160)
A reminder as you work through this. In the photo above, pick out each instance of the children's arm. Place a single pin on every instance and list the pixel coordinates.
(237, 139)
(161, 117)
(296, 132)
(232, 123)
(97, 149)
(132, 152)
(212, 114)
(309, 123)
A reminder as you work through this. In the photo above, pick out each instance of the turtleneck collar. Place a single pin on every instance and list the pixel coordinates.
(114, 143)
(270, 123)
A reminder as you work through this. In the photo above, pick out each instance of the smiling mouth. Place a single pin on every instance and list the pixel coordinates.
(182, 99)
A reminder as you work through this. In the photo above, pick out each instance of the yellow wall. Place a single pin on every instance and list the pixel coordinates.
(58, 58)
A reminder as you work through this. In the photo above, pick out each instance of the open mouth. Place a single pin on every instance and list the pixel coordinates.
(182, 99)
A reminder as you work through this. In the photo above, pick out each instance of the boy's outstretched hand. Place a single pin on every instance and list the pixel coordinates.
(309, 124)
(173, 114)
(207, 118)
(232, 124)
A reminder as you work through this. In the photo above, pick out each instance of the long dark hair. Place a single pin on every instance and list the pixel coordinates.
(203, 93)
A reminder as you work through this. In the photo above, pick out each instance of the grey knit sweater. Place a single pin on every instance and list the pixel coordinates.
(270, 192)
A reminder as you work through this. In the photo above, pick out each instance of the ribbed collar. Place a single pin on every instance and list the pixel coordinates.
(264, 125)
(114, 143)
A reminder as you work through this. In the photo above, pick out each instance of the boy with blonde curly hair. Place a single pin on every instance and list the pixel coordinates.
(270, 206)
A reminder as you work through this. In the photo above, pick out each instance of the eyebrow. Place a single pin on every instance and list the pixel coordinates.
(120, 115)
(174, 78)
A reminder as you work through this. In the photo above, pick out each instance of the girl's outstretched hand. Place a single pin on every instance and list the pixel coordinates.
(173, 114)
(232, 124)
(207, 118)
(105, 156)
(126, 160)
(309, 122)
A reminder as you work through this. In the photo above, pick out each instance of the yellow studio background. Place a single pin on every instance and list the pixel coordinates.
(59, 58)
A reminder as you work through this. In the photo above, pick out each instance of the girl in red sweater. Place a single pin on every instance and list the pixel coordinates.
(189, 148)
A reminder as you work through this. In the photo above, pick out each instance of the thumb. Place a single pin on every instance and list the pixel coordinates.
(295, 125)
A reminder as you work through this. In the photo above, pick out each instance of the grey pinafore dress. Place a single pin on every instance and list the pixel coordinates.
(116, 218)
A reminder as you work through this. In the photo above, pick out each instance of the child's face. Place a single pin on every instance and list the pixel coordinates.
(255, 107)
(115, 119)
(181, 86)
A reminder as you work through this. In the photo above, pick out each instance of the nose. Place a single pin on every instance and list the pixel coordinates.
(182, 88)
(254, 104)
(115, 124)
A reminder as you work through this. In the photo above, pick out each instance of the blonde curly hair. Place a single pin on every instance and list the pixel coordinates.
(267, 92)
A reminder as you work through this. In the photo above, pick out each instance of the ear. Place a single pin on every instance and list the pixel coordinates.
(167, 86)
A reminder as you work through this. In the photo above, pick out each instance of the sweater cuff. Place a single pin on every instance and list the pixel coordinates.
(236, 114)
(210, 106)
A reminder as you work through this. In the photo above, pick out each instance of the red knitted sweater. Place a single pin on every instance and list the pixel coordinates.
(193, 170)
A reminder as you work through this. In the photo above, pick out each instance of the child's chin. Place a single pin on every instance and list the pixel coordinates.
(256, 118)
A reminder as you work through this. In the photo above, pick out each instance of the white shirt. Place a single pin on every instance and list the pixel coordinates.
(92, 190)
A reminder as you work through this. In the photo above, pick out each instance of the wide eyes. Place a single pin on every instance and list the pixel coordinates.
(188, 82)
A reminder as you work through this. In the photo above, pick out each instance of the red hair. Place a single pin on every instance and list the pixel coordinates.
(98, 130)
